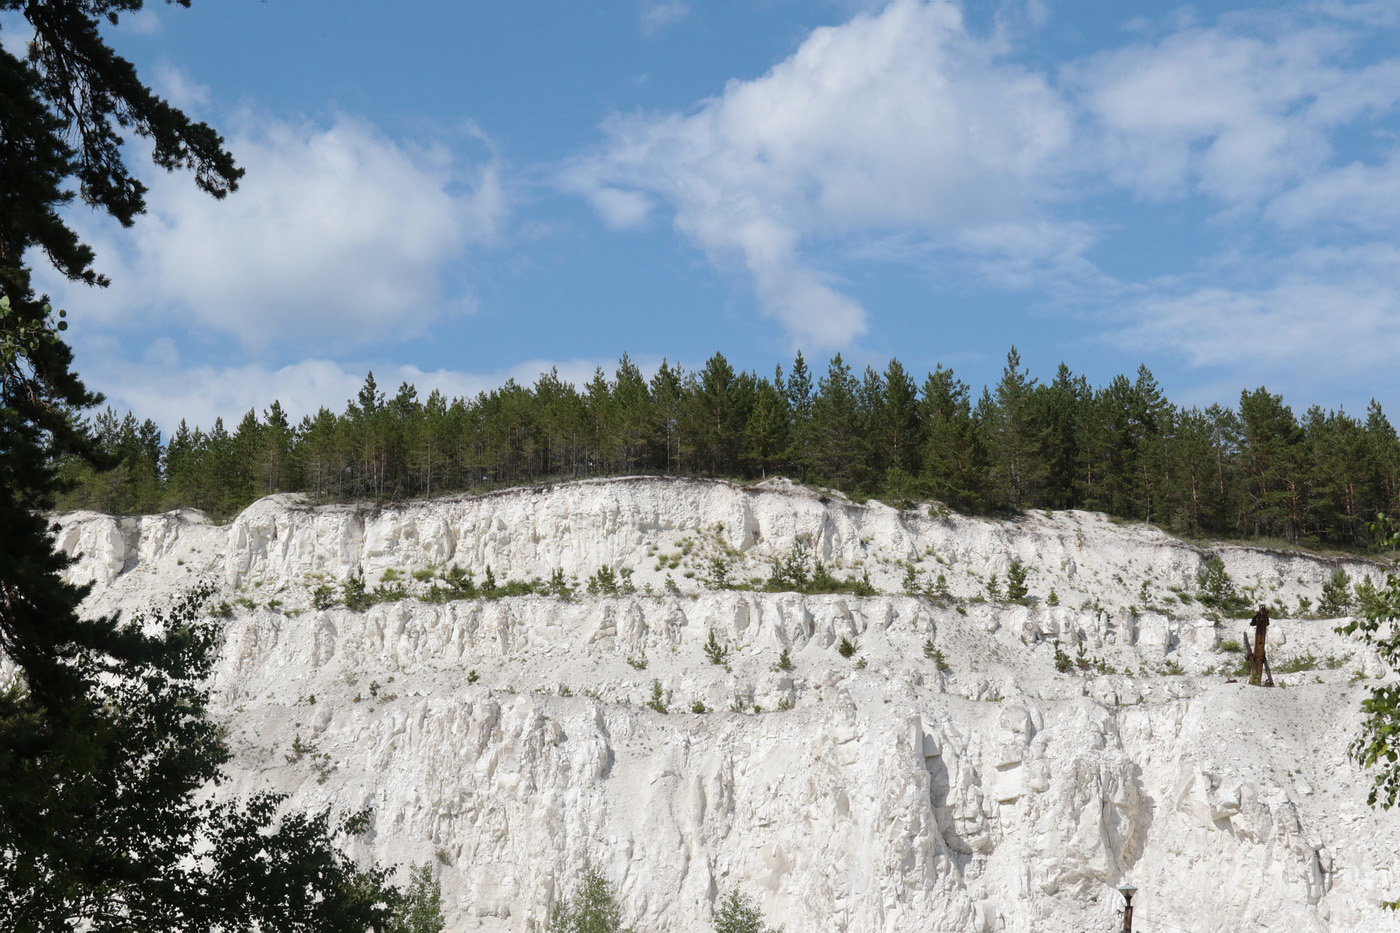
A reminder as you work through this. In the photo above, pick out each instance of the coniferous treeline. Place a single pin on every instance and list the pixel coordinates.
(1255, 470)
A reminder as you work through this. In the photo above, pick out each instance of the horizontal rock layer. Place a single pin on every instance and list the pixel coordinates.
(944, 776)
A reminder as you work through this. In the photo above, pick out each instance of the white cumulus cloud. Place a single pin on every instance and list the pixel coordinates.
(898, 121)
(337, 237)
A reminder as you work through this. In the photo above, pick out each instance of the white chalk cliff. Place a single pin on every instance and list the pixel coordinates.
(508, 741)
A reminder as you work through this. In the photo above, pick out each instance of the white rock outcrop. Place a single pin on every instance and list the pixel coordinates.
(945, 777)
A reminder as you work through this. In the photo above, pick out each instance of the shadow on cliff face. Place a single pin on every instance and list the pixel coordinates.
(939, 786)
(1131, 845)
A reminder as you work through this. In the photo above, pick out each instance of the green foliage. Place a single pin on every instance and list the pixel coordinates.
(105, 747)
(1215, 587)
(935, 655)
(798, 572)
(1375, 624)
(784, 662)
(352, 592)
(356, 597)
(717, 573)
(135, 836)
(1063, 662)
(1230, 646)
(993, 589)
(320, 761)
(592, 908)
(455, 583)
(1336, 595)
(420, 909)
(698, 707)
(1087, 662)
(739, 913)
(604, 582)
(658, 698)
(716, 652)
(1053, 599)
(1307, 661)
(1016, 590)
(22, 337)
(846, 647)
(558, 585)
(1367, 597)
(1253, 471)
(790, 573)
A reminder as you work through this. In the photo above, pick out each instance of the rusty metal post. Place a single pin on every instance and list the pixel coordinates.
(1127, 890)
(1257, 662)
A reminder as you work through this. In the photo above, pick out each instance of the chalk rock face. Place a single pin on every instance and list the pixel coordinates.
(698, 686)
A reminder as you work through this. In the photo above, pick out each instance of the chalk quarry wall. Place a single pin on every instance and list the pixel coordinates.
(945, 777)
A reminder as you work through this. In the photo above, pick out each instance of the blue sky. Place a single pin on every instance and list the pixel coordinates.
(455, 193)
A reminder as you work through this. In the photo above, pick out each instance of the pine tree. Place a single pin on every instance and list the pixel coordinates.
(799, 390)
(714, 416)
(837, 454)
(766, 435)
(666, 395)
(1227, 499)
(323, 450)
(635, 419)
(1382, 463)
(901, 432)
(425, 445)
(954, 459)
(275, 470)
(1272, 455)
(600, 424)
(560, 416)
(1335, 464)
(104, 743)
(177, 452)
(1015, 438)
(1063, 407)
(1188, 474)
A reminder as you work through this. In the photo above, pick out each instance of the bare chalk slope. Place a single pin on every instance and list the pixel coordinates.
(972, 763)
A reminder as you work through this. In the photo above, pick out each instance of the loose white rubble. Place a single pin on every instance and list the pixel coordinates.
(507, 741)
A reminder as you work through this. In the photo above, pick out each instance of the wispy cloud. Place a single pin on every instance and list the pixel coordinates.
(1357, 195)
(1320, 316)
(176, 86)
(658, 16)
(1239, 116)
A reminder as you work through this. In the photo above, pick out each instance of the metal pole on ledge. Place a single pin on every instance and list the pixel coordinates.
(1127, 890)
